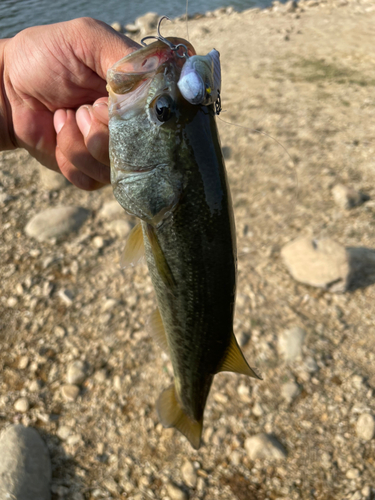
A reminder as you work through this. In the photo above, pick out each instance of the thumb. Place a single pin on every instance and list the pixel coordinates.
(98, 45)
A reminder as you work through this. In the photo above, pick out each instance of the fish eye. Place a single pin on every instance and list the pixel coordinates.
(163, 108)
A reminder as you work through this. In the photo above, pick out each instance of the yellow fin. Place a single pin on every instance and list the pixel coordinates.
(235, 361)
(156, 329)
(160, 260)
(134, 247)
(172, 415)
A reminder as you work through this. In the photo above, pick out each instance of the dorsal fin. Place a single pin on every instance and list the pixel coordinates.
(172, 415)
(235, 361)
(134, 247)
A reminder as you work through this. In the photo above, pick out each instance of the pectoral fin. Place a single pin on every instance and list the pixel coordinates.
(172, 415)
(160, 260)
(156, 329)
(235, 361)
(134, 248)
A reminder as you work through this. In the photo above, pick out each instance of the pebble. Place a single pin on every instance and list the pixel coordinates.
(63, 432)
(23, 362)
(264, 446)
(352, 473)
(56, 222)
(25, 468)
(147, 22)
(22, 405)
(235, 458)
(175, 492)
(66, 296)
(189, 474)
(291, 342)
(12, 301)
(310, 365)
(98, 242)
(116, 26)
(319, 263)
(70, 392)
(4, 198)
(365, 426)
(289, 391)
(76, 372)
(51, 180)
(257, 410)
(120, 227)
(101, 376)
(347, 197)
(111, 210)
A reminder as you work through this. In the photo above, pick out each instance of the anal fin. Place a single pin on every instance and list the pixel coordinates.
(172, 415)
(134, 247)
(156, 329)
(235, 361)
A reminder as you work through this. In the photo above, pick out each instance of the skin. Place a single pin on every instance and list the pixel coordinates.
(53, 96)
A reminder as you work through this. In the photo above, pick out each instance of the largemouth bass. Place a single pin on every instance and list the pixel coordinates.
(167, 169)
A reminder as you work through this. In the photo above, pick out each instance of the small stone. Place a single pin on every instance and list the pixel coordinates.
(70, 392)
(264, 446)
(116, 26)
(235, 458)
(189, 474)
(4, 198)
(74, 439)
(35, 386)
(120, 227)
(365, 427)
(243, 339)
(244, 392)
(12, 302)
(109, 304)
(23, 362)
(101, 376)
(98, 242)
(51, 180)
(76, 372)
(366, 492)
(59, 331)
(22, 405)
(175, 492)
(257, 410)
(131, 28)
(56, 222)
(320, 263)
(66, 296)
(346, 197)
(111, 210)
(63, 432)
(291, 342)
(310, 365)
(25, 467)
(111, 485)
(289, 391)
(352, 473)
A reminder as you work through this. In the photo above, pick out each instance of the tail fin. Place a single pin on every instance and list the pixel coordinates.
(172, 415)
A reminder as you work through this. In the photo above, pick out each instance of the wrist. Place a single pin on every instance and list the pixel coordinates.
(5, 135)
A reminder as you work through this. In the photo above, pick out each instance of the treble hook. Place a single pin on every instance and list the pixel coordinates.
(167, 42)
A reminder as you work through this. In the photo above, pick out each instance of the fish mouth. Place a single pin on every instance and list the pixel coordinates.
(129, 80)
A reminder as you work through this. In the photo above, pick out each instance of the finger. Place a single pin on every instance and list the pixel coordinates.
(91, 122)
(75, 176)
(72, 147)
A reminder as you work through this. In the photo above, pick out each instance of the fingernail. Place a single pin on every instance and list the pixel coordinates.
(59, 119)
(101, 111)
(83, 118)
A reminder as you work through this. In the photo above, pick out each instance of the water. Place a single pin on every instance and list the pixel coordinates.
(16, 15)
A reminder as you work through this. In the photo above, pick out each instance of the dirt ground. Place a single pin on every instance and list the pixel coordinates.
(300, 88)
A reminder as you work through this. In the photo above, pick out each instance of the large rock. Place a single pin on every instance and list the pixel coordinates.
(147, 23)
(56, 222)
(264, 446)
(25, 468)
(320, 263)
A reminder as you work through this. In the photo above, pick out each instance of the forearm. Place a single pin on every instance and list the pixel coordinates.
(5, 139)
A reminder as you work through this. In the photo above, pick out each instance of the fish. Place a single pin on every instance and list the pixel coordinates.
(167, 170)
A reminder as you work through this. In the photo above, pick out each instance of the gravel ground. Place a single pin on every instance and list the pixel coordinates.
(76, 360)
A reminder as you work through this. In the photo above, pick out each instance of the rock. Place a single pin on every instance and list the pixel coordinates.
(98, 242)
(189, 474)
(70, 392)
(76, 372)
(23, 362)
(291, 342)
(120, 227)
(56, 222)
(320, 263)
(147, 23)
(111, 210)
(51, 180)
(25, 468)
(346, 197)
(4, 198)
(289, 391)
(257, 410)
(362, 266)
(131, 28)
(310, 365)
(353, 473)
(22, 405)
(264, 446)
(116, 26)
(290, 6)
(63, 432)
(66, 296)
(365, 427)
(175, 492)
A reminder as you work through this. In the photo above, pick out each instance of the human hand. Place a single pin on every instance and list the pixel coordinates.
(55, 88)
